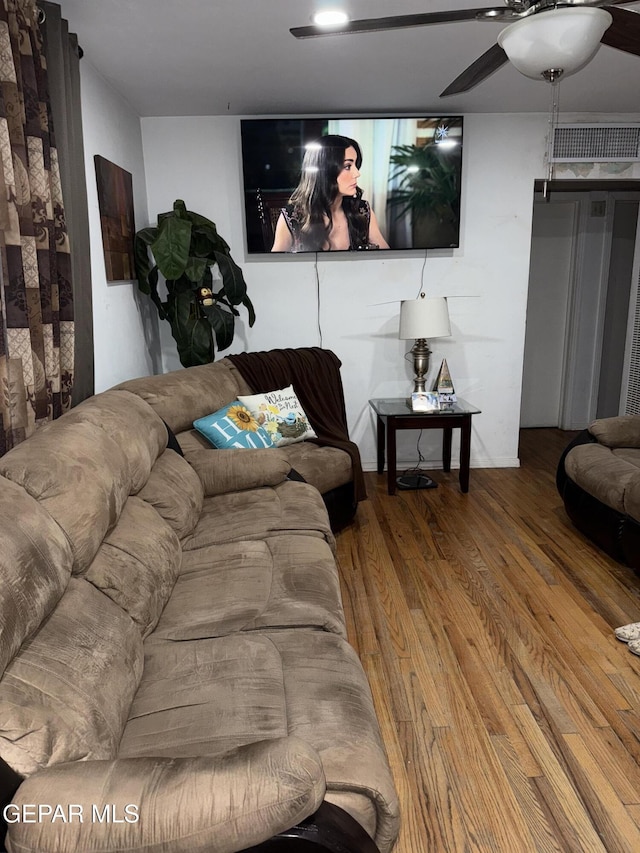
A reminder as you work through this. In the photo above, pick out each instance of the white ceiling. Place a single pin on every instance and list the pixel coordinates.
(211, 57)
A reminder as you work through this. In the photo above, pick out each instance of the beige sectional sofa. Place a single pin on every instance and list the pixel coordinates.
(183, 396)
(175, 669)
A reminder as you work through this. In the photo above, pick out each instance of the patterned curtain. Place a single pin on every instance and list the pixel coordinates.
(36, 329)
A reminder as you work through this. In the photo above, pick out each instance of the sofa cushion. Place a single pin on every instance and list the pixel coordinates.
(35, 566)
(620, 431)
(203, 697)
(630, 455)
(233, 426)
(131, 423)
(281, 581)
(66, 694)
(234, 470)
(325, 468)
(256, 513)
(191, 440)
(599, 472)
(281, 414)
(168, 805)
(175, 491)
(80, 475)
(182, 396)
(137, 564)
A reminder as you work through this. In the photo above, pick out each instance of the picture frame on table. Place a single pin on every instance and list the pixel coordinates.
(425, 401)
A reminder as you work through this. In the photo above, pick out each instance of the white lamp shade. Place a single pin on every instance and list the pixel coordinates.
(565, 39)
(424, 318)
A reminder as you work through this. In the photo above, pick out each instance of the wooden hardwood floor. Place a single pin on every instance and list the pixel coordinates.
(510, 713)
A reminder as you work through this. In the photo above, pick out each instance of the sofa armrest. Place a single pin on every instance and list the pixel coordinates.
(215, 804)
(223, 471)
(621, 431)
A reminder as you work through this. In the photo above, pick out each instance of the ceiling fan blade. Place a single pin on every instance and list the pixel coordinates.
(624, 32)
(478, 71)
(395, 22)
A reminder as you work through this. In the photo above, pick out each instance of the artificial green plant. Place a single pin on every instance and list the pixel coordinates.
(427, 179)
(183, 248)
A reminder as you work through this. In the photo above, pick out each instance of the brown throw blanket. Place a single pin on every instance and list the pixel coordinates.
(315, 376)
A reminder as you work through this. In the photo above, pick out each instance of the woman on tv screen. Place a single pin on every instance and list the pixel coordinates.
(326, 211)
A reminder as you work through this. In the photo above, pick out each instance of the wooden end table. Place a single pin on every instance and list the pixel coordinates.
(395, 413)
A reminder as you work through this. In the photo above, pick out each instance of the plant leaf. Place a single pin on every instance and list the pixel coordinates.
(233, 283)
(223, 324)
(142, 262)
(171, 246)
(195, 269)
(206, 241)
(180, 209)
(191, 332)
(155, 296)
(206, 226)
(248, 304)
(148, 235)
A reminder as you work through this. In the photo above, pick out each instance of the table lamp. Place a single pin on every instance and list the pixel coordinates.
(420, 319)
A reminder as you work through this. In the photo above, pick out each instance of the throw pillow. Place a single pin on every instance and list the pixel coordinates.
(233, 426)
(280, 414)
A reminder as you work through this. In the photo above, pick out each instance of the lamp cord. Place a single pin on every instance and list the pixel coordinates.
(416, 469)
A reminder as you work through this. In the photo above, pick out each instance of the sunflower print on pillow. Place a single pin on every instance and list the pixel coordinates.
(233, 426)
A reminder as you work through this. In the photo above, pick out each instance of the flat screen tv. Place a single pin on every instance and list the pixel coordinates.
(397, 181)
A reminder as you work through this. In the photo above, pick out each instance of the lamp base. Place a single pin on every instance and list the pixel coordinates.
(421, 353)
(415, 481)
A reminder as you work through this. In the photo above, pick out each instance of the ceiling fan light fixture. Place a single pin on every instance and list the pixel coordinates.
(562, 39)
(330, 18)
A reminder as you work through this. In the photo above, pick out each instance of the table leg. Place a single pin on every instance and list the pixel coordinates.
(447, 433)
(391, 456)
(381, 440)
(465, 452)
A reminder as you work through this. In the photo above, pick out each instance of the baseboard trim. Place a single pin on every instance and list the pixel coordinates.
(436, 464)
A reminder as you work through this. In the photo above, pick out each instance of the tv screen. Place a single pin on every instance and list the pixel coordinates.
(351, 184)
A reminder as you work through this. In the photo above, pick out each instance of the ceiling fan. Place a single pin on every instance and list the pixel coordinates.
(620, 28)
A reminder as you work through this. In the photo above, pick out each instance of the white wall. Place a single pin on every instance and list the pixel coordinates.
(124, 328)
(198, 160)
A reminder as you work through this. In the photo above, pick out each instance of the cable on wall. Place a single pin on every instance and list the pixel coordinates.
(424, 264)
(317, 272)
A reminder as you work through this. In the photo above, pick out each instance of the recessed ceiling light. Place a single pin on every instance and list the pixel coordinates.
(330, 18)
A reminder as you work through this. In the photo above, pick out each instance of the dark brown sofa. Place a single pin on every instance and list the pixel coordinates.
(598, 478)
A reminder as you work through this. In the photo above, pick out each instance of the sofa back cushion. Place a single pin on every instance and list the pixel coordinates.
(183, 396)
(133, 424)
(80, 475)
(66, 694)
(138, 563)
(175, 491)
(35, 566)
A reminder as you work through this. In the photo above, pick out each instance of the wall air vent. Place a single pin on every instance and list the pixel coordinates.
(596, 143)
